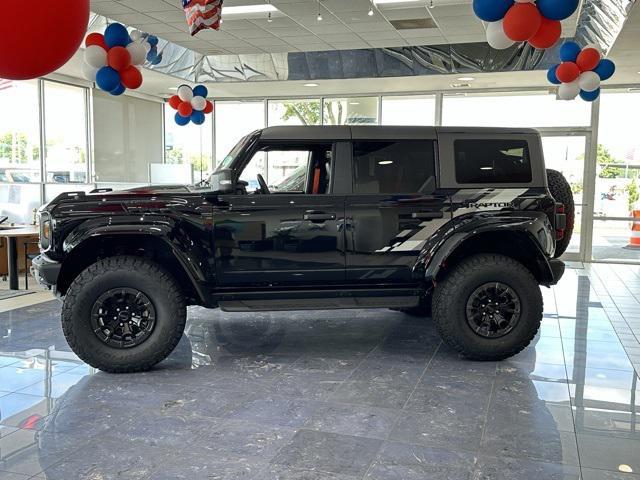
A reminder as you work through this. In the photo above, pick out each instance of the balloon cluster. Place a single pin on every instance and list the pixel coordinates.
(191, 104)
(533, 21)
(581, 72)
(150, 44)
(110, 60)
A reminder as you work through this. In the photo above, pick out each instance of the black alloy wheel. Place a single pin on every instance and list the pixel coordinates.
(123, 317)
(493, 310)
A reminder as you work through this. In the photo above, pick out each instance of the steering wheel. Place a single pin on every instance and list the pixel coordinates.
(264, 188)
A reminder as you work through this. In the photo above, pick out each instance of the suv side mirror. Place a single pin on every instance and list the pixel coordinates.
(222, 181)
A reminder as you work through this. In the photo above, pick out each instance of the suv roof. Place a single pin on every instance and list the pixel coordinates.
(375, 132)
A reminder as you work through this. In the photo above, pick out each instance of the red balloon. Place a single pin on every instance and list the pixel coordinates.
(522, 22)
(185, 109)
(567, 72)
(96, 39)
(588, 59)
(131, 77)
(175, 102)
(209, 107)
(38, 39)
(548, 34)
(118, 58)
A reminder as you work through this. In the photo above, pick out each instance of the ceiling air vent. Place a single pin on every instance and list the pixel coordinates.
(413, 23)
(460, 85)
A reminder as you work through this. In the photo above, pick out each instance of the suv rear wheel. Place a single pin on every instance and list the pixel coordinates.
(561, 191)
(488, 308)
(123, 314)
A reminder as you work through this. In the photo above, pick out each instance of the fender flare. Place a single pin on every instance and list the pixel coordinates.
(447, 240)
(164, 229)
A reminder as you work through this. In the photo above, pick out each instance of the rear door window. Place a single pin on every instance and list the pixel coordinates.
(492, 161)
(395, 166)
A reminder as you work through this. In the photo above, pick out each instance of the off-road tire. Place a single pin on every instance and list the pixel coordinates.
(115, 272)
(561, 191)
(451, 296)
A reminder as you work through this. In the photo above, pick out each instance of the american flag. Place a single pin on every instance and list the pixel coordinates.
(5, 84)
(202, 14)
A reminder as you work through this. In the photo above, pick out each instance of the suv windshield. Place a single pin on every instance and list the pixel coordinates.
(233, 154)
(228, 160)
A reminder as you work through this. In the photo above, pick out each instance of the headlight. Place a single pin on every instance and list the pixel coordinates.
(45, 231)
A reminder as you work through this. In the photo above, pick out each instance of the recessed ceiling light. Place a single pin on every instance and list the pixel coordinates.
(354, 103)
(311, 85)
(385, 162)
(467, 79)
(625, 468)
(244, 9)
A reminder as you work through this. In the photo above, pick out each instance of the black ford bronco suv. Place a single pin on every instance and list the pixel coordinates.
(462, 224)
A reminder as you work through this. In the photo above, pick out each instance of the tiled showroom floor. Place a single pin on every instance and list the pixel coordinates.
(334, 395)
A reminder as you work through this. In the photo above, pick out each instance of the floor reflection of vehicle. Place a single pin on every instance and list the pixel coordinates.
(261, 334)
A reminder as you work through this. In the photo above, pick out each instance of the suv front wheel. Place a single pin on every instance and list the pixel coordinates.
(123, 314)
(489, 307)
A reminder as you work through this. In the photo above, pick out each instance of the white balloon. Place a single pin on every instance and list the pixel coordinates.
(89, 72)
(147, 46)
(96, 56)
(136, 35)
(496, 36)
(185, 93)
(589, 81)
(569, 91)
(138, 53)
(199, 103)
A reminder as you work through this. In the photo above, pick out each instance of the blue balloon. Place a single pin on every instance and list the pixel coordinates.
(491, 10)
(605, 69)
(107, 79)
(151, 54)
(116, 35)
(569, 51)
(552, 76)
(156, 59)
(182, 121)
(153, 40)
(590, 96)
(557, 9)
(200, 91)
(119, 90)
(197, 117)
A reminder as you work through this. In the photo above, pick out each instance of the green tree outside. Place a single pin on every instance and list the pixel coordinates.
(21, 150)
(634, 194)
(307, 112)
(604, 158)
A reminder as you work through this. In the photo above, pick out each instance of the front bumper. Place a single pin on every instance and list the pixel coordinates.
(45, 271)
(557, 270)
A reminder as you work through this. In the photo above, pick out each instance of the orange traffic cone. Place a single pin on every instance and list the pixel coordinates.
(635, 231)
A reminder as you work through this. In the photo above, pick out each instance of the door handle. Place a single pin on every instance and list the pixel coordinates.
(319, 216)
(427, 215)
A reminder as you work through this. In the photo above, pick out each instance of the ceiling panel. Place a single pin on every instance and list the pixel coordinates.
(295, 27)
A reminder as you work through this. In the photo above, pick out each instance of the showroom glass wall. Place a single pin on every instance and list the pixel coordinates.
(47, 148)
(570, 142)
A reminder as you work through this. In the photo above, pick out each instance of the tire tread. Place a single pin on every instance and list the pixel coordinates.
(119, 263)
(444, 296)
